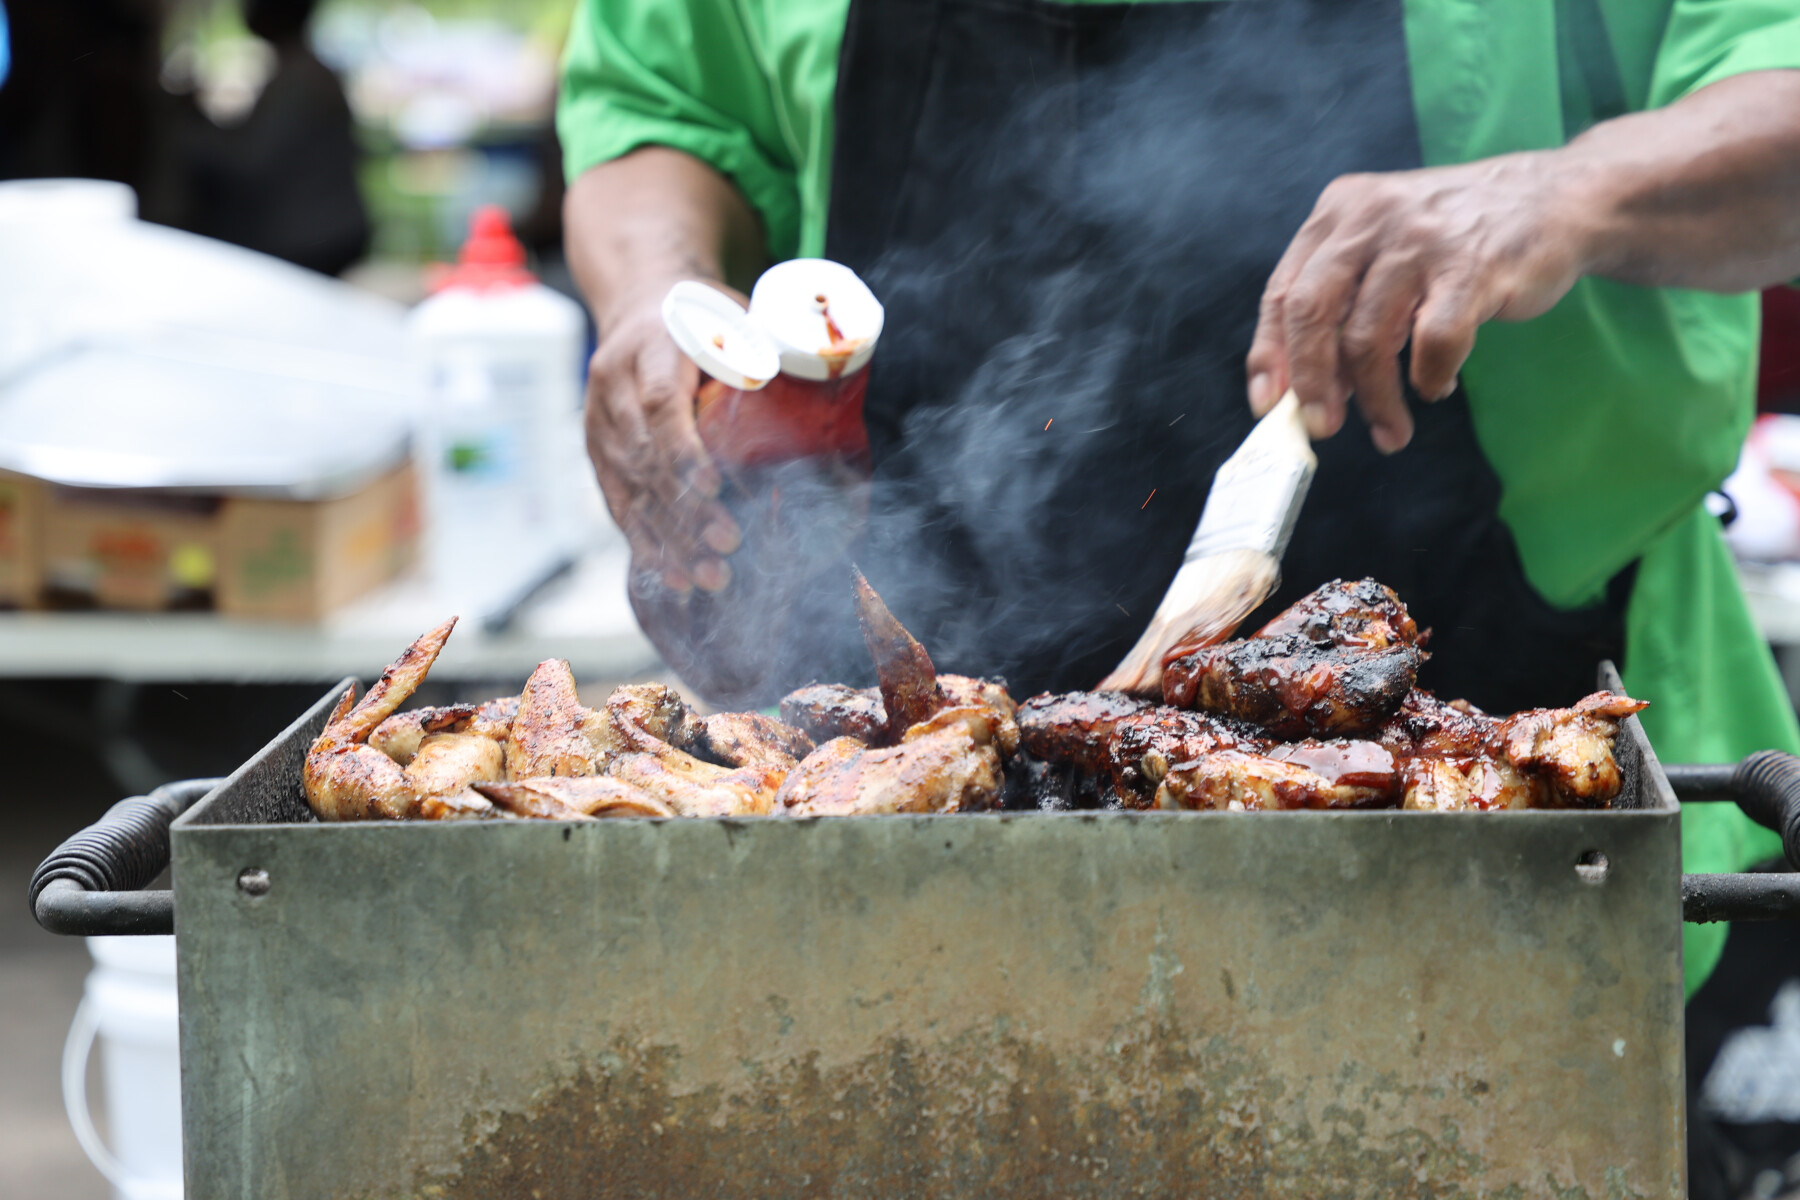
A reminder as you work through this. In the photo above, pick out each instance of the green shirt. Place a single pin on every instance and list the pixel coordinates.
(1607, 419)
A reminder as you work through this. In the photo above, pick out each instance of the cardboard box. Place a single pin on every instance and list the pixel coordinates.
(245, 556)
(21, 519)
(122, 548)
(297, 560)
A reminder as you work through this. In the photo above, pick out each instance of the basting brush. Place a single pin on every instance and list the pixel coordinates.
(1234, 561)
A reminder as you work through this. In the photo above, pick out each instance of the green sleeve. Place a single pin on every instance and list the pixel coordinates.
(1709, 40)
(683, 74)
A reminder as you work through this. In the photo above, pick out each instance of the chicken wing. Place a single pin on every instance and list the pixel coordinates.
(692, 788)
(909, 687)
(346, 779)
(1456, 782)
(1572, 747)
(943, 771)
(553, 733)
(447, 763)
(1144, 745)
(824, 711)
(745, 739)
(399, 736)
(1233, 781)
(574, 797)
(655, 708)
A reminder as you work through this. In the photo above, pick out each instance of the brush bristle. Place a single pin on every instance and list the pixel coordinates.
(1205, 604)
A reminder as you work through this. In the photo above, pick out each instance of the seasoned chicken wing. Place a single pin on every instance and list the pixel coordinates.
(744, 739)
(346, 779)
(1453, 783)
(1144, 745)
(909, 687)
(552, 733)
(574, 797)
(399, 736)
(1234, 781)
(446, 764)
(824, 711)
(655, 708)
(943, 771)
(692, 788)
(1572, 747)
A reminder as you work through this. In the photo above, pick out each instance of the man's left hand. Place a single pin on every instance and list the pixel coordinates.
(1703, 193)
(1421, 256)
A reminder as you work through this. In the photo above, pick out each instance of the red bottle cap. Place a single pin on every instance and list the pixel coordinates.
(491, 257)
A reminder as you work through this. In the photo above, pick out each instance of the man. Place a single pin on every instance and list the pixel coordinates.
(1081, 217)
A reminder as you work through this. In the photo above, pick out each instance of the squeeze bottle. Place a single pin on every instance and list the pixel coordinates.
(499, 436)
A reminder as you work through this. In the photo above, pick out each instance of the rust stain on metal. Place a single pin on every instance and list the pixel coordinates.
(1160, 1112)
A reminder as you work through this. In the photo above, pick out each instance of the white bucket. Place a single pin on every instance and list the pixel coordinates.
(129, 1005)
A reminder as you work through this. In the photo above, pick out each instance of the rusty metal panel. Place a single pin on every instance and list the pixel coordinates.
(1083, 1005)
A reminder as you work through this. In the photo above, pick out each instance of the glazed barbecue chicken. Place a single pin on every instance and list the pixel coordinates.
(1335, 664)
(1317, 710)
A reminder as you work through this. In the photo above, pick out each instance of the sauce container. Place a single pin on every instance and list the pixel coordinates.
(785, 380)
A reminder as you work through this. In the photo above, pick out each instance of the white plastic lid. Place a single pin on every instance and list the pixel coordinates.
(719, 336)
(791, 302)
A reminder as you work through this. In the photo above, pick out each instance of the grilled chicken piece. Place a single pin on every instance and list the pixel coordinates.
(1293, 686)
(345, 778)
(1541, 758)
(445, 766)
(578, 798)
(964, 691)
(1234, 781)
(399, 736)
(553, 734)
(1363, 615)
(751, 739)
(1572, 747)
(655, 708)
(1456, 782)
(824, 711)
(1144, 745)
(692, 788)
(941, 771)
(1075, 727)
(909, 687)
(1425, 725)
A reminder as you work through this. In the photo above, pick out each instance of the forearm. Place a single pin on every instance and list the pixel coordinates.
(1702, 194)
(639, 223)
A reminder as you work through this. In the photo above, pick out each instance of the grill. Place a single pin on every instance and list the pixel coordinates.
(1077, 1004)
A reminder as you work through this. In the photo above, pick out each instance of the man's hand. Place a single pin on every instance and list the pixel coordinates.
(1702, 194)
(658, 480)
(635, 226)
(1420, 256)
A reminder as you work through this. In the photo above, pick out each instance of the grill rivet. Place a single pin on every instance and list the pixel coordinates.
(253, 881)
(1591, 867)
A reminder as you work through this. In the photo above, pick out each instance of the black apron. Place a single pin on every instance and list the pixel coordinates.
(1070, 212)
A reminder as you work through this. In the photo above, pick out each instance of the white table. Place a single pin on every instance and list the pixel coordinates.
(583, 617)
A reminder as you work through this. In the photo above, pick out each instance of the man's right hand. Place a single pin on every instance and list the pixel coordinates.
(633, 227)
(659, 481)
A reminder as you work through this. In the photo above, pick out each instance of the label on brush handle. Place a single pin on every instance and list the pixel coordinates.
(1255, 500)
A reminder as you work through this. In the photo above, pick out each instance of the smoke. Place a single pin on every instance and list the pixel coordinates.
(1071, 264)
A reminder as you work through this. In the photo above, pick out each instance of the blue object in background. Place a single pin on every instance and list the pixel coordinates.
(5, 45)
